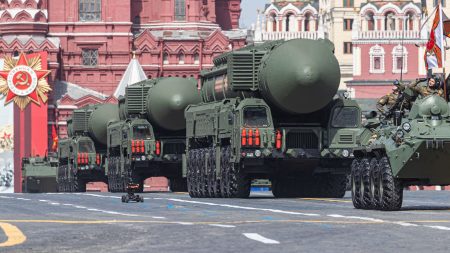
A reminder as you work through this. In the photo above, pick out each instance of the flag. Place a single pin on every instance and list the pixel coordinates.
(446, 24)
(434, 53)
(54, 138)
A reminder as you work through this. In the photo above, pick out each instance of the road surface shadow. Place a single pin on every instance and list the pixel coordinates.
(425, 208)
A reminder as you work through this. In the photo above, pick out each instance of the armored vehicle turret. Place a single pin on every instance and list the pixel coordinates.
(82, 154)
(271, 112)
(39, 174)
(410, 149)
(149, 139)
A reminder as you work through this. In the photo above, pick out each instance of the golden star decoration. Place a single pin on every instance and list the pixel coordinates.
(24, 81)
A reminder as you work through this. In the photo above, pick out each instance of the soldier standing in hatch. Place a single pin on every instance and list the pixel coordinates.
(388, 100)
(432, 87)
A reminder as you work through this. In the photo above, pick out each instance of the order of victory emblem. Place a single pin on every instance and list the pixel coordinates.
(24, 81)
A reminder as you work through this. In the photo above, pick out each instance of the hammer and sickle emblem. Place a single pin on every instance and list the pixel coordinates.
(22, 79)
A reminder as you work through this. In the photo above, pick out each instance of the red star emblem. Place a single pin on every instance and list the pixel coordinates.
(22, 80)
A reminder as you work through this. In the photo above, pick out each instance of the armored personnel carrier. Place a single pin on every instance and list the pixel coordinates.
(39, 174)
(412, 148)
(82, 155)
(270, 112)
(149, 139)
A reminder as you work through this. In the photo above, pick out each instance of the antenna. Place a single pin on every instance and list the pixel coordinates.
(403, 53)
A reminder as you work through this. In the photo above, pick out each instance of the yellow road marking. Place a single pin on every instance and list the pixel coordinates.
(328, 200)
(14, 235)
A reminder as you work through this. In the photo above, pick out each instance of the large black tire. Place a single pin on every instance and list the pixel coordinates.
(331, 185)
(375, 182)
(210, 172)
(225, 175)
(79, 185)
(391, 190)
(356, 184)
(366, 196)
(234, 183)
(190, 172)
(178, 184)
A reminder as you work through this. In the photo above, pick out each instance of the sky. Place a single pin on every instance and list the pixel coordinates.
(249, 7)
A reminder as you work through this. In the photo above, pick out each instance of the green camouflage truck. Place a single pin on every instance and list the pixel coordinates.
(271, 112)
(39, 174)
(82, 155)
(411, 148)
(149, 139)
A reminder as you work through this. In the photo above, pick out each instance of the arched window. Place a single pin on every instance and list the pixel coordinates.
(307, 22)
(89, 10)
(273, 21)
(376, 59)
(399, 59)
(166, 58)
(180, 58)
(196, 58)
(180, 10)
(409, 21)
(289, 19)
(389, 21)
(370, 21)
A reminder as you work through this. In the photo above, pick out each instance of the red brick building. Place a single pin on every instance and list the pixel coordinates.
(89, 42)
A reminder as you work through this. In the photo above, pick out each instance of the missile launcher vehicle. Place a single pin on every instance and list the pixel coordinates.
(412, 148)
(82, 155)
(39, 174)
(149, 139)
(271, 112)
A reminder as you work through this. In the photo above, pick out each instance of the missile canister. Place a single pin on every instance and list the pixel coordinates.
(167, 100)
(298, 76)
(98, 121)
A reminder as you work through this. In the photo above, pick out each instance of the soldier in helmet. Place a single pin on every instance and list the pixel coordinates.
(432, 87)
(388, 101)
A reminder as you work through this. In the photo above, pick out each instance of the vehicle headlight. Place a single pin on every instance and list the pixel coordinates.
(406, 126)
(258, 153)
(143, 158)
(345, 153)
(400, 134)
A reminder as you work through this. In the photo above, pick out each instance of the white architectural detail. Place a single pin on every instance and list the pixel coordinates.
(356, 61)
(377, 54)
(32, 12)
(399, 52)
(133, 74)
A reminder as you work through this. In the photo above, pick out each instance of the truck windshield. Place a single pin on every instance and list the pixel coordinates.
(255, 117)
(345, 117)
(141, 132)
(85, 147)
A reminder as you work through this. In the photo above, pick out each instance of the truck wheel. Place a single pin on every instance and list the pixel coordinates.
(366, 196)
(333, 186)
(190, 174)
(240, 184)
(356, 184)
(202, 176)
(391, 190)
(278, 187)
(79, 185)
(375, 182)
(225, 177)
(213, 181)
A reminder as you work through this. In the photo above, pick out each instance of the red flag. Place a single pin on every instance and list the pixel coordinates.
(54, 138)
(446, 24)
(435, 45)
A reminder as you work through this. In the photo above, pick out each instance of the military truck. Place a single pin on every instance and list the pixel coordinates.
(412, 148)
(82, 155)
(271, 112)
(39, 174)
(149, 139)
